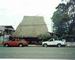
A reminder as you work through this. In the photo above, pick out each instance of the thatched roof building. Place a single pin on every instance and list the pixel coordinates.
(31, 26)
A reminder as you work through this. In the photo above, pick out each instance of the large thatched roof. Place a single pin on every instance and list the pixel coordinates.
(31, 26)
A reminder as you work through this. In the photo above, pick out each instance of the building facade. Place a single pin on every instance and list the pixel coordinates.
(5, 32)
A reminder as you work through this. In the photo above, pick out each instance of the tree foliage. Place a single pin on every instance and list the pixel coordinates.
(64, 18)
(60, 19)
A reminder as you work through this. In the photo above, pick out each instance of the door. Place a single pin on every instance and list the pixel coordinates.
(13, 43)
(51, 42)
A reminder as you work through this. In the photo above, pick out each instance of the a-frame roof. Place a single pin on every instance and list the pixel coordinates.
(31, 26)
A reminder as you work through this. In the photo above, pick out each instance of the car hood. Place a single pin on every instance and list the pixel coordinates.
(45, 41)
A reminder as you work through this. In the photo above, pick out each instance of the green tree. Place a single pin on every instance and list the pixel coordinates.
(60, 19)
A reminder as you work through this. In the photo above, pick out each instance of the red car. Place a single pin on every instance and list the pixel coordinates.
(15, 43)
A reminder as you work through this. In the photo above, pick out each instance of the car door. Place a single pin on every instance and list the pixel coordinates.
(13, 43)
(51, 42)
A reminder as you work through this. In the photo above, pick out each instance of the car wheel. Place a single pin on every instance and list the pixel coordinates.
(6, 45)
(44, 45)
(59, 45)
(20, 45)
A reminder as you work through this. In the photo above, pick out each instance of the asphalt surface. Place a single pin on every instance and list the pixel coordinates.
(38, 52)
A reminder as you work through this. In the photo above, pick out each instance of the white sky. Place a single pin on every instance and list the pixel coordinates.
(12, 11)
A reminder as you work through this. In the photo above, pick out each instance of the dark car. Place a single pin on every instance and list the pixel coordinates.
(15, 43)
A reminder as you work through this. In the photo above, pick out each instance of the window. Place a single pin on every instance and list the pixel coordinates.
(51, 40)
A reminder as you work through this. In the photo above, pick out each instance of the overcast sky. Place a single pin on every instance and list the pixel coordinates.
(12, 11)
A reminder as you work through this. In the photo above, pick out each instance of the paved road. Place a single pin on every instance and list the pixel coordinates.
(37, 52)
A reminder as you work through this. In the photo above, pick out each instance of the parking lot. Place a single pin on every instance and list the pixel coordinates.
(38, 52)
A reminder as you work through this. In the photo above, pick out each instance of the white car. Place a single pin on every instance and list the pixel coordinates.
(54, 42)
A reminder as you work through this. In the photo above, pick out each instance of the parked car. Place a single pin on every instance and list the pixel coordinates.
(15, 43)
(54, 42)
